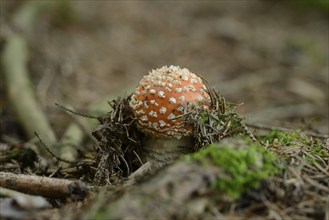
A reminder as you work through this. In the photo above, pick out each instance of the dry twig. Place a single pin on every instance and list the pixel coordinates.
(19, 87)
(44, 186)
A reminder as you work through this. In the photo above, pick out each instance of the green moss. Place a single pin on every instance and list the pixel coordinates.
(320, 5)
(244, 165)
(307, 147)
(100, 215)
(285, 138)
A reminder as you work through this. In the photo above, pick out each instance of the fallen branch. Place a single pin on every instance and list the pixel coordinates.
(20, 92)
(69, 142)
(25, 201)
(19, 87)
(44, 186)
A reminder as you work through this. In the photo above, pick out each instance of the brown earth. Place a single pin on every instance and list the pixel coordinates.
(269, 57)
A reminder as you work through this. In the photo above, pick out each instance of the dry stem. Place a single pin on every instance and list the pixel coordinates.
(44, 186)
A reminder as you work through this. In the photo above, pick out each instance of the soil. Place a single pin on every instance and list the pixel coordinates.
(271, 58)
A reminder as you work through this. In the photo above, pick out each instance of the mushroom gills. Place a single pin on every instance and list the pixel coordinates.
(165, 150)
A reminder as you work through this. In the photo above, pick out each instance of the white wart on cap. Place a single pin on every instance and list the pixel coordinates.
(162, 97)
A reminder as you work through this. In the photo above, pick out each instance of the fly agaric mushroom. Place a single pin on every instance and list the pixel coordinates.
(159, 102)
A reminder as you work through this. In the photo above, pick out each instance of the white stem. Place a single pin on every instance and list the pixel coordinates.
(161, 151)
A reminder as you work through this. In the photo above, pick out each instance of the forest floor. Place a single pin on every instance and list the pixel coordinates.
(270, 58)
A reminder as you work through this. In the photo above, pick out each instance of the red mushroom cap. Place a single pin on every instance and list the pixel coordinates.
(162, 96)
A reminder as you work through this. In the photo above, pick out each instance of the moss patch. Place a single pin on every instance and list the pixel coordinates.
(285, 138)
(287, 143)
(244, 165)
(321, 5)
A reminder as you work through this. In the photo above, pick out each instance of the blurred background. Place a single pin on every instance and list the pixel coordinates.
(270, 57)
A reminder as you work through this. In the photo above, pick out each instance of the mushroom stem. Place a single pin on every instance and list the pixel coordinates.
(164, 150)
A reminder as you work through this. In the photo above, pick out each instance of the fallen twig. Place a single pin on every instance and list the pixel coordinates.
(50, 152)
(19, 87)
(69, 142)
(44, 186)
(77, 113)
(24, 200)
